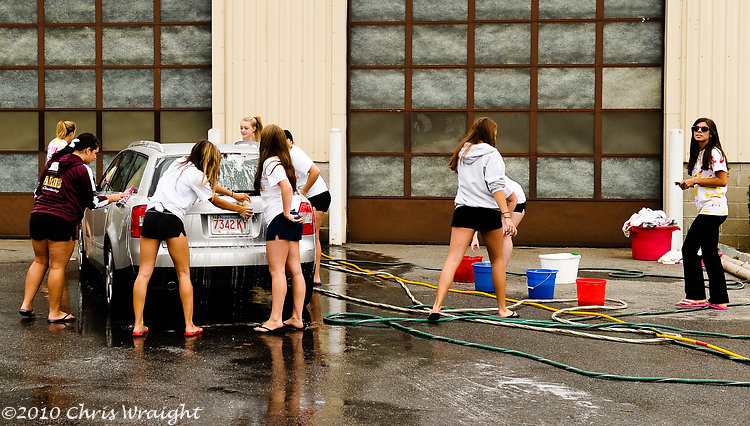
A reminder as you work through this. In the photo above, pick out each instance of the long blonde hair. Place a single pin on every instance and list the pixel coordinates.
(64, 128)
(207, 158)
(255, 122)
(483, 130)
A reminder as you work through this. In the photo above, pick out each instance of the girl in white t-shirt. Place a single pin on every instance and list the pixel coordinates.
(311, 185)
(65, 132)
(275, 179)
(516, 199)
(250, 128)
(186, 181)
(708, 169)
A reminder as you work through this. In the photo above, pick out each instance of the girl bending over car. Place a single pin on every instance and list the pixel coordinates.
(185, 181)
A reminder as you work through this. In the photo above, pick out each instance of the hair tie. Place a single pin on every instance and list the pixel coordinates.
(73, 142)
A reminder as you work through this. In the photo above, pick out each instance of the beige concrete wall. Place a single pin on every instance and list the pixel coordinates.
(284, 60)
(706, 64)
(707, 61)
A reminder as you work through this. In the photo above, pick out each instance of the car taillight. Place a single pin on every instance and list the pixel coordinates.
(136, 221)
(308, 224)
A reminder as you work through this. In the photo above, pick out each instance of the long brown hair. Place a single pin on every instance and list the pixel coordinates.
(207, 158)
(713, 142)
(483, 130)
(273, 143)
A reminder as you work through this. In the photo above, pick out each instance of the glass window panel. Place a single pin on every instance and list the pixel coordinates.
(377, 89)
(565, 132)
(185, 10)
(18, 89)
(106, 159)
(184, 126)
(565, 177)
(85, 122)
(633, 8)
(502, 88)
(633, 42)
(25, 125)
(120, 128)
(566, 88)
(18, 46)
(631, 178)
(129, 11)
(127, 88)
(440, 10)
(69, 46)
(376, 132)
(631, 88)
(175, 84)
(632, 132)
(502, 44)
(512, 130)
(19, 172)
(186, 45)
(437, 131)
(128, 45)
(517, 168)
(438, 88)
(17, 12)
(557, 9)
(495, 10)
(567, 43)
(377, 45)
(376, 176)
(381, 10)
(438, 44)
(69, 10)
(70, 88)
(431, 177)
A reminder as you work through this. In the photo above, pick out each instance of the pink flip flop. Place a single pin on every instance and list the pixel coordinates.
(713, 306)
(685, 303)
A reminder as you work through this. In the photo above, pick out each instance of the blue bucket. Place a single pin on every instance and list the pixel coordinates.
(541, 283)
(483, 277)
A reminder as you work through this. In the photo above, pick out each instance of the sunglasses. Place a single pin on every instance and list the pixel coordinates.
(703, 129)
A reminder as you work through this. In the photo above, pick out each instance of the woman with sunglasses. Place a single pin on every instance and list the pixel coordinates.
(707, 166)
(480, 206)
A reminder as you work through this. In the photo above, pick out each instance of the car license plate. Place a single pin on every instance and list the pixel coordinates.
(229, 225)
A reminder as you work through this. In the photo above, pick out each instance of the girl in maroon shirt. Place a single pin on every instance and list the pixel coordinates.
(65, 190)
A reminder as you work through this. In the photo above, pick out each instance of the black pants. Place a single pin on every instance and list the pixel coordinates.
(704, 234)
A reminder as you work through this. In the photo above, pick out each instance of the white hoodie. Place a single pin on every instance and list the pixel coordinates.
(480, 174)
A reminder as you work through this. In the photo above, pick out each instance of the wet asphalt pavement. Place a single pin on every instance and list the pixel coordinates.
(94, 372)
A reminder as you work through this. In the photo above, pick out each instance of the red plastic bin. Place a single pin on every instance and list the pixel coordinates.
(465, 272)
(651, 243)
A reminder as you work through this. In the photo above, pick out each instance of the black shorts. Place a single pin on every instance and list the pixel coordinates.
(321, 202)
(520, 208)
(46, 226)
(283, 228)
(477, 218)
(161, 225)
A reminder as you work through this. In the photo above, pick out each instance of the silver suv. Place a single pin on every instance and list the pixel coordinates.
(227, 254)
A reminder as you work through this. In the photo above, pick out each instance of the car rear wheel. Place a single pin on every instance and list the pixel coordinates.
(115, 285)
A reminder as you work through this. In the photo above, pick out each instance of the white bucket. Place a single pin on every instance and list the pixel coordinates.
(565, 263)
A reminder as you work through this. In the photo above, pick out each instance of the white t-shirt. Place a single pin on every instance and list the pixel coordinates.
(179, 188)
(302, 164)
(513, 187)
(270, 191)
(248, 143)
(55, 145)
(711, 200)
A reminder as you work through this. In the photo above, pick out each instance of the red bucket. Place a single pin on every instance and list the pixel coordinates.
(651, 243)
(465, 273)
(591, 291)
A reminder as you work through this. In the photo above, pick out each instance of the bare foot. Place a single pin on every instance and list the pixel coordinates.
(296, 323)
(268, 327)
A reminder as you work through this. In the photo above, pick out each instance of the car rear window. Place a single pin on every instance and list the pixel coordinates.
(237, 172)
